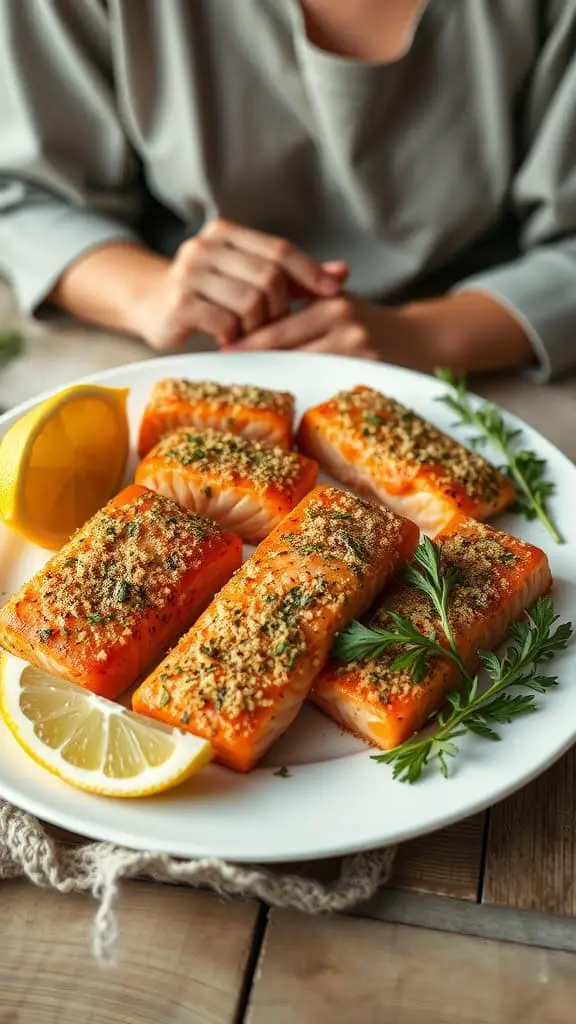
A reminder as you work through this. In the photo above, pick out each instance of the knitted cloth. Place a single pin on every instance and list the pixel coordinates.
(98, 869)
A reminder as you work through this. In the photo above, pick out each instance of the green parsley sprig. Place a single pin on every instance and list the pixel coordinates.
(524, 468)
(532, 642)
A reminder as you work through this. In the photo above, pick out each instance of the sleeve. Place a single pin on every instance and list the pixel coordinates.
(539, 287)
(68, 179)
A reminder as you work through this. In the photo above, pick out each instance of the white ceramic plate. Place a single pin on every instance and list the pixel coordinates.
(336, 800)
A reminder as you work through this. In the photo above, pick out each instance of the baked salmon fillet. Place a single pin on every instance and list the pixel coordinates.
(499, 577)
(254, 413)
(241, 673)
(109, 604)
(385, 451)
(243, 485)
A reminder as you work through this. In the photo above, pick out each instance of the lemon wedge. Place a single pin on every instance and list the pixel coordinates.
(93, 743)
(62, 461)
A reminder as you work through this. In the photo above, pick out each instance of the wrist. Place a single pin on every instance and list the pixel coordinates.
(109, 285)
(469, 332)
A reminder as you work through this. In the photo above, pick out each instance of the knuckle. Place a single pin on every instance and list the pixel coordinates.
(342, 309)
(357, 335)
(188, 251)
(216, 228)
(280, 248)
(270, 278)
(249, 302)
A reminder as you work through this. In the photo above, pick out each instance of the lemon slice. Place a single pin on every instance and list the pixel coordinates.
(93, 743)
(62, 461)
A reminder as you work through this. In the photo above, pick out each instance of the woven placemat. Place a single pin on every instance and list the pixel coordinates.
(26, 850)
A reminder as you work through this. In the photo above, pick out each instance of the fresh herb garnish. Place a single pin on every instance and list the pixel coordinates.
(219, 697)
(164, 697)
(532, 642)
(524, 468)
(122, 591)
(44, 634)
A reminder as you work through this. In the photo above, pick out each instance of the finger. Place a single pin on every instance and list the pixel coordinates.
(243, 300)
(256, 271)
(300, 267)
(298, 328)
(197, 314)
(338, 268)
(348, 340)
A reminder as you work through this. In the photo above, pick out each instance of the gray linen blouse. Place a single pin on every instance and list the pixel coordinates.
(451, 167)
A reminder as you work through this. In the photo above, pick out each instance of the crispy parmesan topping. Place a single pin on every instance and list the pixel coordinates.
(126, 559)
(347, 529)
(242, 655)
(230, 457)
(394, 432)
(483, 560)
(246, 395)
(239, 656)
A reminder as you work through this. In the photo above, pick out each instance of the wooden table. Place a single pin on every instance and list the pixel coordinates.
(478, 924)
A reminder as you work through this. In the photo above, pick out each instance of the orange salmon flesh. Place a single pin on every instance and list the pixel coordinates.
(241, 673)
(384, 451)
(244, 485)
(499, 578)
(251, 412)
(109, 604)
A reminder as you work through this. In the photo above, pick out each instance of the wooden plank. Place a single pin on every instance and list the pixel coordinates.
(531, 851)
(343, 969)
(424, 910)
(447, 863)
(180, 958)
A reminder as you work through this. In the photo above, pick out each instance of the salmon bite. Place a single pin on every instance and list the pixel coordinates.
(240, 675)
(244, 485)
(109, 604)
(384, 450)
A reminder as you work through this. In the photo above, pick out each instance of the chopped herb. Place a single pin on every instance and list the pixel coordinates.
(132, 528)
(95, 619)
(354, 546)
(283, 772)
(122, 592)
(371, 417)
(219, 697)
(70, 561)
(45, 634)
(185, 717)
(164, 697)
(172, 562)
(211, 650)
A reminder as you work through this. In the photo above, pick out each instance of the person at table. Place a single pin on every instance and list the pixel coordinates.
(406, 170)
